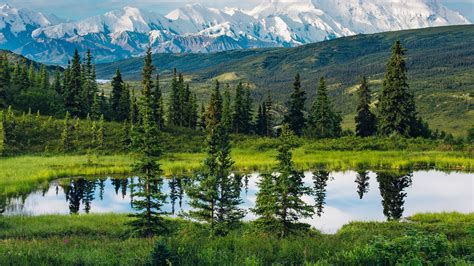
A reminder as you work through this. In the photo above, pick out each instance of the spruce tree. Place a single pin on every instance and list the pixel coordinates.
(95, 111)
(57, 86)
(397, 111)
(365, 119)
(193, 118)
(148, 198)
(268, 115)
(123, 110)
(100, 133)
(158, 108)
(238, 112)
(261, 120)
(324, 122)
(227, 117)
(247, 112)
(4, 81)
(214, 110)
(174, 104)
(3, 142)
(73, 92)
(134, 113)
(117, 88)
(279, 201)
(44, 78)
(215, 195)
(202, 118)
(295, 116)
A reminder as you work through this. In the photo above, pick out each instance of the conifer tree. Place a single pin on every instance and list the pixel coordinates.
(158, 108)
(148, 198)
(397, 111)
(123, 110)
(216, 196)
(73, 92)
(57, 86)
(24, 77)
(174, 105)
(44, 78)
(202, 118)
(227, 110)
(268, 106)
(100, 133)
(134, 113)
(279, 203)
(4, 82)
(3, 141)
(117, 88)
(31, 76)
(214, 110)
(247, 112)
(295, 116)
(238, 112)
(193, 118)
(324, 122)
(66, 135)
(261, 120)
(95, 111)
(365, 119)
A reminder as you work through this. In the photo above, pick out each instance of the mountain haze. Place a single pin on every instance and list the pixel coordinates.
(126, 32)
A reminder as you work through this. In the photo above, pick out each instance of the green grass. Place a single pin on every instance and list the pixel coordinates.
(106, 240)
(21, 174)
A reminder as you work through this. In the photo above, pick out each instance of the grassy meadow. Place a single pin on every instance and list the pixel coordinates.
(446, 238)
(23, 173)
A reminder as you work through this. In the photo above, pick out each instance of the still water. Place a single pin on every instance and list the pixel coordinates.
(340, 197)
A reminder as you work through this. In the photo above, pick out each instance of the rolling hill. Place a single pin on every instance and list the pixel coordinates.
(440, 63)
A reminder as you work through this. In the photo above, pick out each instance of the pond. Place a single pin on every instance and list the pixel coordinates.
(340, 197)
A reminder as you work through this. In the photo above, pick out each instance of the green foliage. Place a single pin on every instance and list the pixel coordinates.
(116, 95)
(392, 186)
(66, 135)
(215, 193)
(2, 134)
(148, 198)
(323, 122)
(279, 203)
(295, 116)
(366, 123)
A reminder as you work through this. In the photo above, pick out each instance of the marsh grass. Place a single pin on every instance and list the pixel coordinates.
(21, 174)
(105, 239)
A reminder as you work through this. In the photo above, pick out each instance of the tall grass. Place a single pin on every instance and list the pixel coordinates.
(20, 174)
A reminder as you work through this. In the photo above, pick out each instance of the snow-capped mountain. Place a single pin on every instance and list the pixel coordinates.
(128, 31)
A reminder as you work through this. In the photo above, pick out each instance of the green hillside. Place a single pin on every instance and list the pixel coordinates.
(440, 63)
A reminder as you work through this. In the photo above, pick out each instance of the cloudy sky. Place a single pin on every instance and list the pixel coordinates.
(76, 9)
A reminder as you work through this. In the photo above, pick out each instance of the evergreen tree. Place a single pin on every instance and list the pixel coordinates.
(175, 104)
(158, 108)
(4, 81)
(268, 106)
(324, 122)
(261, 120)
(57, 86)
(214, 110)
(134, 113)
(397, 111)
(202, 118)
(227, 110)
(279, 200)
(193, 118)
(365, 119)
(89, 83)
(3, 141)
(31, 76)
(148, 198)
(24, 77)
(72, 95)
(238, 112)
(123, 111)
(100, 133)
(66, 135)
(117, 91)
(95, 111)
(295, 116)
(247, 112)
(44, 78)
(216, 196)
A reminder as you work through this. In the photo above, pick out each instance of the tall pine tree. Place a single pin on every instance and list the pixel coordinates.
(366, 123)
(117, 91)
(324, 122)
(279, 203)
(148, 198)
(72, 95)
(397, 111)
(295, 116)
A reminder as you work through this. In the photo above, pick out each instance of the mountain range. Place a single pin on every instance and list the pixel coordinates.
(126, 32)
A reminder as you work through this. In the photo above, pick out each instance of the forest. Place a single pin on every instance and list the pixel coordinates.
(63, 123)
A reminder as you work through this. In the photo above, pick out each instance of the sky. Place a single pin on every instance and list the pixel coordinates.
(77, 9)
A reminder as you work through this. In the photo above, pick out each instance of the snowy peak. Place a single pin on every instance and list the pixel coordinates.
(126, 32)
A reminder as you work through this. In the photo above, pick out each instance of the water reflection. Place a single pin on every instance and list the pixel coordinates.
(337, 198)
